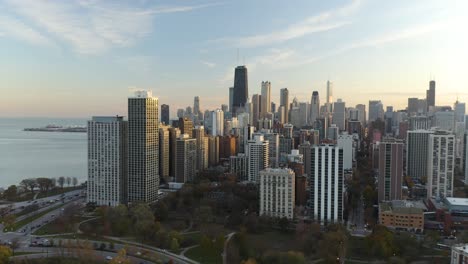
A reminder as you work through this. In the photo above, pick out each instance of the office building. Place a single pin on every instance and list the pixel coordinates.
(390, 164)
(339, 114)
(213, 150)
(239, 166)
(231, 99)
(277, 193)
(444, 120)
(164, 153)
(333, 132)
(284, 101)
(266, 98)
(185, 125)
(241, 89)
(419, 123)
(440, 164)
(256, 104)
(416, 154)
(412, 108)
(465, 157)
(329, 103)
(273, 107)
(165, 114)
(107, 161)
(257, 151)
(314, 107)
(375, 110)
(143, 148)
(460, 110)
(217, 123)
(201, 148)
(186, 159)
(361, 108)
(324, 165)
(430, 95)
(227, 147)
(273, 148)
(345, 141)
(402, 215)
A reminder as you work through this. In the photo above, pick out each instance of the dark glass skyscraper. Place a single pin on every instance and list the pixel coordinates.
(430, 95)
(241, 88)
(165, 114)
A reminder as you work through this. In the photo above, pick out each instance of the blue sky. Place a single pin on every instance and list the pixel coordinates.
(83, 58)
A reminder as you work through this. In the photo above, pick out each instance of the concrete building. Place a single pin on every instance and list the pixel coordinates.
(257, 151)
(185, 125)
(314, 107)
(199, 135)
(460, 110)
(390, 177)
(329, 101)
(361, 108)
(465, 157)
(107, 161)
(333, 132)
(143, 148)
(345, 141)
(217, 123)
(440, 164)
(165, 114)
(256, 108)
(277, 193)
(402, 215)
(417, 154)
(213, 150)
(324, 168)
(459, 254)
(266, 98)
(444, 120)
(186, 159)
(239, 166)
(376, 110)
(241, 89)
(339, 114)
(273, 148)
(430, 95)
(419, 123)
(174, 134)
(284, 101)
(164, 152)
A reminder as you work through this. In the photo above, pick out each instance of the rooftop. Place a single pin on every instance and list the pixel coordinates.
(452, 201)
(403, 207)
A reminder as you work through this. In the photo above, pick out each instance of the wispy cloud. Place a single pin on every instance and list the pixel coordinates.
(92, 27)
(209, 64)
(16, 29)
(324, 21)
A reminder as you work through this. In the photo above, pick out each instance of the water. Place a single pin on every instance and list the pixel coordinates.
(26, 154)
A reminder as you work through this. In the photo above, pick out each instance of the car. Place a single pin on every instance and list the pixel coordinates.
(138, 253)
(109, 258)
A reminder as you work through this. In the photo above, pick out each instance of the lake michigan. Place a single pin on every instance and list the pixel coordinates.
(26, 154)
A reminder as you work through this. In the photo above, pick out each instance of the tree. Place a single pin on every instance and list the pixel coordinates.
(111, 246)
(119, 220)
(61, 181)
(75, 181)
(219, 243)
(121, 258)
(381, 242)
(283, 224)
(11, 193)
(174, 244)
(102, 246)
(5, 254)
(69, 180)
(206, 243)
(143, 220)
(334, 243)
(15, 244)
(9, 221)
(161, 212)
(29, 184)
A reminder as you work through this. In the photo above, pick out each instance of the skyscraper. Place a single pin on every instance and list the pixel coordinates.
(430, 95)
(361, 108)
(440, 164)
(266, 98)
(460, 109)
(165, 114)
(197, 114)
(217, 119)
(324, 165)
(284, 101)
(164, 153)
(107, 161)
(185, 125)
(390, 170)
(143, 148)
(174, 134)
(277, 193)
(231, 99)
(416, 153)
(314, 107)
(256, 104)
(375, 110)
(202, 148)
(339, 114)
(465, 156)
(257, 151)
(241, 88)
(329, 92)
(186, 159)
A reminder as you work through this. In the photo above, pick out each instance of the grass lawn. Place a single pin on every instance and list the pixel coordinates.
(57, 227)
(273, 241)
(85, 237)
(204, 256)
(28, 220)
(57, 191)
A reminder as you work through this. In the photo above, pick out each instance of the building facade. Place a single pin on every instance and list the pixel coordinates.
(164, 153)
(277, 193)
(186, 159)
(390, 178)
(416, 154)
(440, 164)
(257, 151)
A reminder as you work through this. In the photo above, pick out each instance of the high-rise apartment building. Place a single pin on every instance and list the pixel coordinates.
(277, 193)
(324, 165)
(444, 120)
(440, 164)
(376, 110)
(390, 166)
(329, 93)
(186, 159)
(339, 114)
(361, 108)
(213, 150)
(107, 161)
(314, 107)
(165, 114)
(460, 110)
(256, 108)
(241, 88)
(239, 166)
(201, 147)
(257, 151)
(143, 148)
(284, 101)
(465, 157)
(430, 95)
(185, 125)
(266, 98)
(217, 123)
(345, 141)
(416, 153)
(174, 134)
(164, 153)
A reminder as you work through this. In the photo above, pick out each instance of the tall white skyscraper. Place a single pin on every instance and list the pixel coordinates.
(345, 141)
(277, 193)
(417, 153)
(460, 110)
(266, 98)
(314, 107)
(329, 92)
(441, 164)
(257, 151)
(217, 122)
(339, 114)
(143, 148)
(325, 166)
(107, 161)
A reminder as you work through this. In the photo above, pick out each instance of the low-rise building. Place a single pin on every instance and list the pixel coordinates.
(459, 254)
(400, 214)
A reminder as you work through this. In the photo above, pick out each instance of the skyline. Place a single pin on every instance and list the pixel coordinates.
(92, 55)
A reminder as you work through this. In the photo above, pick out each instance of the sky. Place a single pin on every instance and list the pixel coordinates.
(84, 57)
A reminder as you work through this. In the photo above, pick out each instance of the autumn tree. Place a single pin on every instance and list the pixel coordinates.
(5, 254)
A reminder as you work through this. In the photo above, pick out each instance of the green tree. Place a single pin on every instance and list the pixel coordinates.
(119, 220)
(5, 254)
(11, 193)
(121, 258)
(206, 243)
(381, 242)
(174, 244)
(143, 221)
(283, 224)
(9, 221)
(29, 184)
(161, 212)
(219, 243)
(334, 243)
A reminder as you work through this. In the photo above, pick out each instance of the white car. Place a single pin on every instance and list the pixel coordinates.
(109, 258)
